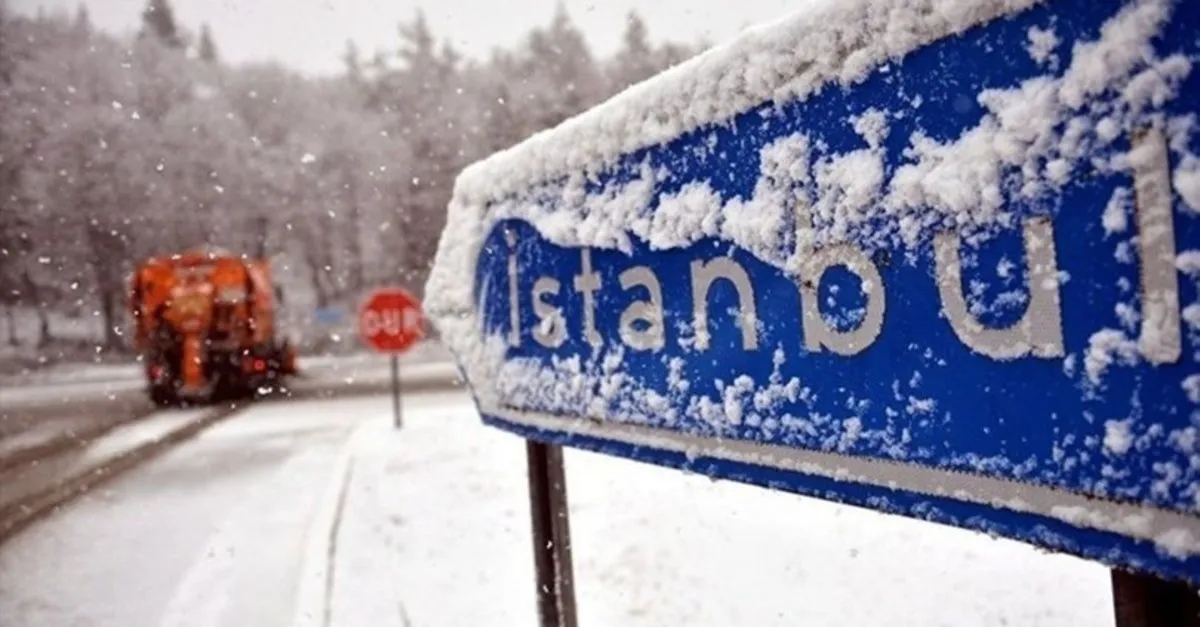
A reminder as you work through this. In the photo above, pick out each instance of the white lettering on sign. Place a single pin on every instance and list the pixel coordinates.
(586, 283)
(1161, 341)
(389, 321)
(704, 274)
(1038, 333)
(551, 330)
(514, 310)
(653, 337)
(814, 263)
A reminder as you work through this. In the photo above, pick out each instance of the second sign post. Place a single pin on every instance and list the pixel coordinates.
(390, 322)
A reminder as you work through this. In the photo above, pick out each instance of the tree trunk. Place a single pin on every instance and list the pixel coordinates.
(108, 311)
(261, 224)
(44, 336)
(13, 340)
(312, 259)
(107, 251)
(34, 294)
(335, 273)
(319, 289)
(356, 271)
(354, 249)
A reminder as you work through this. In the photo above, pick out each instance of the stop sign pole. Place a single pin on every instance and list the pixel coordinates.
(396, 414)
(389, 322)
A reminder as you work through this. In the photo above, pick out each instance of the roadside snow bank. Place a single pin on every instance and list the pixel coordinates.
(436, 532)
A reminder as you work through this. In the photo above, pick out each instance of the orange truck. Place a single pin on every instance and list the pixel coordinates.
(205, 326)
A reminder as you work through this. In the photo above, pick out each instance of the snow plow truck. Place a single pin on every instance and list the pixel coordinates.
(205, 327)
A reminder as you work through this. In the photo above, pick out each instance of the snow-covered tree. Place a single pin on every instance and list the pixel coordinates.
(424, 105)
(207, 48)
(635, 61)
(113, 149)
(83, 21)
(158, 20)
(561, 78)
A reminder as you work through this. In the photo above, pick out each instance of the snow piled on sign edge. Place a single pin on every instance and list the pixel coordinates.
(792, 58)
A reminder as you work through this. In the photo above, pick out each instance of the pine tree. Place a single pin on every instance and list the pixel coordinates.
(428, 122)
(418, 39)
(158, 19)
(8, 182)
(352, 62)
(7, 62)
(208, 49)
(636, 37)
(563, 74)
(83, 20)
(635, 61)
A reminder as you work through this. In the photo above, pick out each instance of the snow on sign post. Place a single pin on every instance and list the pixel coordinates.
(389, 322)
(933, 257)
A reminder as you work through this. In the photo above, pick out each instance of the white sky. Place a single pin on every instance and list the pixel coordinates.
(310, 35)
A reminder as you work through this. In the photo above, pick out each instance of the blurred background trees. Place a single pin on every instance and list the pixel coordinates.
(112, 150)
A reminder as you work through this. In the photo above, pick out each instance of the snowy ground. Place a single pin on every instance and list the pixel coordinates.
(234, 528)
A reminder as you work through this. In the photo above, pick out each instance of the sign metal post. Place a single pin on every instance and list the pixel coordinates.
(551, 535)
(399, 422)
(1141, 600)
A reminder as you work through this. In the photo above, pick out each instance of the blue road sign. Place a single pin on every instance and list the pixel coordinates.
(329, 316)
(931, 257)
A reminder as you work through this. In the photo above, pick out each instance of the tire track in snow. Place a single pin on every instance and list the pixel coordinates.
(359, 560)
(246, 572)
(331, 551)
(316, 584)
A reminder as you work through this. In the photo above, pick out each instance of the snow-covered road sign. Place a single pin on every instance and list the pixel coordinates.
(933, 257)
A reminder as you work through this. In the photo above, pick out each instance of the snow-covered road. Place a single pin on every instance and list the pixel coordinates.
(34, 414)
(430, 527)
(74, 383)
(225, 512)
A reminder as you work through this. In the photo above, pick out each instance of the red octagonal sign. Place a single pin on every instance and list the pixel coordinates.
(389, 320)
